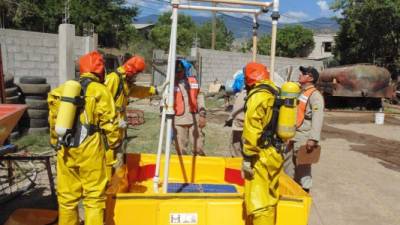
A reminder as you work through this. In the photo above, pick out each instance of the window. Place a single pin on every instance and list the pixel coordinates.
(327, 46)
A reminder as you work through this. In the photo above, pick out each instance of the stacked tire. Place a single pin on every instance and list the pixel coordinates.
(13, 96)
(12, 92)
(35, 91)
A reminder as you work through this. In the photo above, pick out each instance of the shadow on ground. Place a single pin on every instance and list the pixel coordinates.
(34, 198)
(376, 147)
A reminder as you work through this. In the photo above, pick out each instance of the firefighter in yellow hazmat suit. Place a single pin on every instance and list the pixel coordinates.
(81, 168)
(122, 86)
(262, 163)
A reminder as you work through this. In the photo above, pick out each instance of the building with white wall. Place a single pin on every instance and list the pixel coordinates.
(324, 44)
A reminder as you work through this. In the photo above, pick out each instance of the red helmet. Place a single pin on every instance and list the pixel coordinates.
(134, 66)
(255, 72)
(92, 63)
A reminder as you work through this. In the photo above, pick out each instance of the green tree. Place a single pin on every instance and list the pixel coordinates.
(369, 32)
(263, 45)
(161, 32)
(294, 41)
(223, 37)
(291, 41)
(111, 19)
(21, 14)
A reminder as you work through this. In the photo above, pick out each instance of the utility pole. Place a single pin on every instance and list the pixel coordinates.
(214, 27)
(66, 12)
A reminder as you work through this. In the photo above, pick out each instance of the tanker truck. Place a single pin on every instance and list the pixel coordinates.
(359, 85)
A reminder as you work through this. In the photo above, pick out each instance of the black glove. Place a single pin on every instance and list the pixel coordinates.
(228, 123)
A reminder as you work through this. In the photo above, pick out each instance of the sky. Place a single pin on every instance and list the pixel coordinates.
(291, 10)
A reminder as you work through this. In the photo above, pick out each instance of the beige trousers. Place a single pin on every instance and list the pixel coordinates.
(300, 173)
(236, 143)
(189, 133)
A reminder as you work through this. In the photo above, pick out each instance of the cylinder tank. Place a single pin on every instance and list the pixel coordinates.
(355, 81)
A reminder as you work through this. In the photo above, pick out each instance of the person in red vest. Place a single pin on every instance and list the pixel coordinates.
(310, 116)
(190, 112)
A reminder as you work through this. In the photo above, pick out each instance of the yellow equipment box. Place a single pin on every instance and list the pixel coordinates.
(201, 190)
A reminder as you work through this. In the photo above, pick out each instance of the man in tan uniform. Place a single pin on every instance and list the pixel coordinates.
(309, 125)
(235, 120)
(190, 112)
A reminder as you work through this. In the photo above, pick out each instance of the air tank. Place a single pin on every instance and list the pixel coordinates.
(355, 81)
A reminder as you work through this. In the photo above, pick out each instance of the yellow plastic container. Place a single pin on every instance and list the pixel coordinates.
(131, 200)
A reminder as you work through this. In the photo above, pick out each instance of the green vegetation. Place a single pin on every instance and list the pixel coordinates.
(33, 142)
(292, 41)
(161, 33)
(111, 19)
(144, 138)
(214, 102)
(369, 32)
(223, 37)
(187, 33)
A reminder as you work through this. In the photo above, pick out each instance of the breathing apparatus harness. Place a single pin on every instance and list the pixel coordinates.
(79, 132)
(120, 88)
(269, 136)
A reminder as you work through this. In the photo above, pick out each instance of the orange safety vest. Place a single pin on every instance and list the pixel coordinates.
(301, 107)
(179, 103)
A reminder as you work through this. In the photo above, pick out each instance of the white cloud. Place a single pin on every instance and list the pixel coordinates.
(165, 8)
(324, 7)
(293, 17)
(151, 7)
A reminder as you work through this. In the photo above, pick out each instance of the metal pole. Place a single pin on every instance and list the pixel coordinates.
(170, 103)
(221, 9)
(275, 16)
(156, 177)
(214, 27)
(255, 28)
(2, 81)
(50, 176)
(238, 2)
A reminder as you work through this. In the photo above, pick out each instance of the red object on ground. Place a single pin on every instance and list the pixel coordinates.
(9, 117)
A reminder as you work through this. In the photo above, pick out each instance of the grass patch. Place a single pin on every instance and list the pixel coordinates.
(217, 139)
(34, 142)
(214, 102)
(144, 138)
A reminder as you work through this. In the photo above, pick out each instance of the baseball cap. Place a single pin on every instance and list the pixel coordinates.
(310, 71)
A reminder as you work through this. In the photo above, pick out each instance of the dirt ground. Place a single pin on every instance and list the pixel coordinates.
(357, 178)
(381, 142)
(355, 182)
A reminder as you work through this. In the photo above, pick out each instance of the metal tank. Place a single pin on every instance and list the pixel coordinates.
(356, 81)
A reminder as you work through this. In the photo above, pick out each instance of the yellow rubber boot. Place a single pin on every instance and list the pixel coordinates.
(68, 216)
(94, 216)
(265, 217)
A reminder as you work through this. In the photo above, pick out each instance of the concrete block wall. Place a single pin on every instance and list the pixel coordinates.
(222, 65)
(27, 53)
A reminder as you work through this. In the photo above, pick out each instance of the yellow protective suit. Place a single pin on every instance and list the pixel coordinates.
(121, 101)
(81, 171)
(261, 192)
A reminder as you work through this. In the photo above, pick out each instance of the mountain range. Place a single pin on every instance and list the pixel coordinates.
(242, 27)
